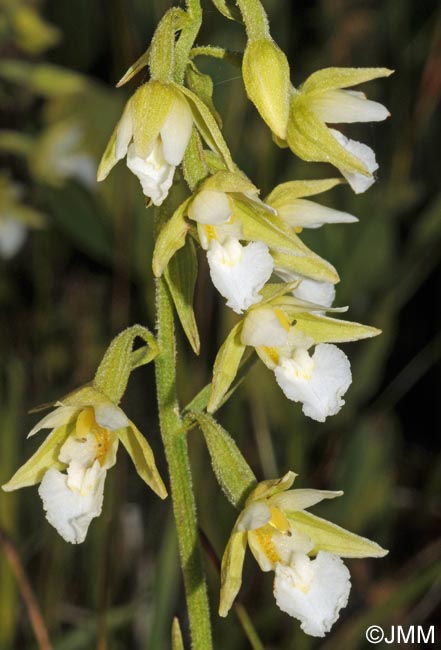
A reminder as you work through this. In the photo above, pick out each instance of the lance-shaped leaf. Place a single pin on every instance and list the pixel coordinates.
(207, 126)
(114, 370)
(310, 139)
(332, 330)
(141, 454)
(333, 78)
(181, 275)
(292, 190)
(233, 473)
(176, 635)
(231, 570)
(44, 458)
(226, 366)
(334, 539)
(170, 239)
(194, 165)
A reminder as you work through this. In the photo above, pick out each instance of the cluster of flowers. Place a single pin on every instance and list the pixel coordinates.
(282, 289)
(249, 241)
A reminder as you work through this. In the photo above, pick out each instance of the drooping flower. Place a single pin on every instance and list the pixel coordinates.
(311, 583)
(153, 132)
(71, 464)
(324, 99)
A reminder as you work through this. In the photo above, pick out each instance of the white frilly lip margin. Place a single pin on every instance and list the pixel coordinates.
(359, 182)
(313, 591)
(239, 272)
(319, 382)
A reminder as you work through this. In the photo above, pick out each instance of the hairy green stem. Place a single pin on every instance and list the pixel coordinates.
(187, 38)
(176, 451)
(254, 17)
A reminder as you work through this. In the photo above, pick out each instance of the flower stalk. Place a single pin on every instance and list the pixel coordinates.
(176, 451)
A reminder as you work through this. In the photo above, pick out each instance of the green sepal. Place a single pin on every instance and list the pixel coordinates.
(225, 181)
(202, 85)
(310, 139)
(153, 99)
(307, 264)
(267, 489)
(265, 71)
(170, 239)
(292, 190)
(108, 159)
(44, 458)
(324, 329)
(260, 225)
(181, 276)
(229, 12)
(176, 635)
(226, 366)
(207, 126)
(143, 459)
(233, 473)
(333, 78)
(332, 538)
(231, 570)
(114, 370)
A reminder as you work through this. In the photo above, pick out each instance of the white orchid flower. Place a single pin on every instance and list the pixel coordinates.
(72, 462)
(311, 582)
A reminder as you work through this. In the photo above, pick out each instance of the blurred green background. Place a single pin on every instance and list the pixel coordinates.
(83, 273)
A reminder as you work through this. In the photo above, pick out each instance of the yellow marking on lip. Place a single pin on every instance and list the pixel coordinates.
(272, 353)
(265, 541)
(281, 317)
(87, 424)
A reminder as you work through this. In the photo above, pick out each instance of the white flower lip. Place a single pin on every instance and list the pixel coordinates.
(359, 182)
(155, 173)
(313, 591)
(318, 382)
(239, 272)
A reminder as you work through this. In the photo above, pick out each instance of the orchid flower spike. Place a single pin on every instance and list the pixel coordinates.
(311, 584)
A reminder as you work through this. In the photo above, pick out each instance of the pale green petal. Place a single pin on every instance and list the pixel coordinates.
(231, 571)
(141, 454)
(330, 537)
(226, 366)
(44, 458)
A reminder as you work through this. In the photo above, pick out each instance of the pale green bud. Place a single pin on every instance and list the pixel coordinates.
(265, 71)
